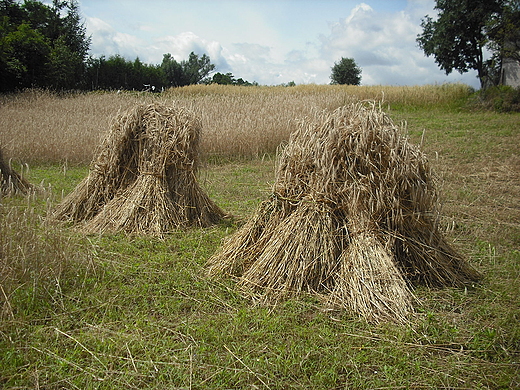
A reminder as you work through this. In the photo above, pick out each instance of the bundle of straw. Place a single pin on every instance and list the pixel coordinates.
(352, 218)
(11, 182)
(143, 179)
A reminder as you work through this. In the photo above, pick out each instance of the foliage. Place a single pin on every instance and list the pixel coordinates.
(228, 79)
(346, 71)
(504, 31)
(25, 58)
(463, 29)
(41, 45)
(172, 71)
(117, 72)
(223, 79)
(499, 98)
(196, 69)
(192, 71)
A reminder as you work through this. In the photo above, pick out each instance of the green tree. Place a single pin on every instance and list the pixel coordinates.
(116, 72)
(458, 36)
(173, 72)
(345, 71)
(191, 71)
(69, 43)
(66, 67)
(224, 79)
(503, 31)
(42, 45)
(228, 79)
(196, 69)
(72, 29)
(245, 83)
(26, 53)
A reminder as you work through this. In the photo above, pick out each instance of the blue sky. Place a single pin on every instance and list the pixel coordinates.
(273, 42)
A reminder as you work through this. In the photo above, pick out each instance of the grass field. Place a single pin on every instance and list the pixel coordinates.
(106, 312)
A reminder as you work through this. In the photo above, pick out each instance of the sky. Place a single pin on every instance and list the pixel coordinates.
(273, 42)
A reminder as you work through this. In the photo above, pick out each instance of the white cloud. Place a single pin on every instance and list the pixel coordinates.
(253, 62)
(383, 44)
(180, 46)
(107, 41)
(358, 12)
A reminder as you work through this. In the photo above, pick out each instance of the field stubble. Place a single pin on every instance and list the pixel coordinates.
(134, 312)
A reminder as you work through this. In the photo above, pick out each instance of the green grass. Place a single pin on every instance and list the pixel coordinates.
(138, 313)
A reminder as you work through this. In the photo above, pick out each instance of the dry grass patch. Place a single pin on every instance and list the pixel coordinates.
(37, 264)
(41, 127)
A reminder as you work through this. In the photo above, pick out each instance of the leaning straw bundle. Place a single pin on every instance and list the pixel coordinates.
(298, 253)
(11, 182)
(144, 177)
(351, 217)
(370, 283)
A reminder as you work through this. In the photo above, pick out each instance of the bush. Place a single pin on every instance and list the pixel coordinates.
(501, 98)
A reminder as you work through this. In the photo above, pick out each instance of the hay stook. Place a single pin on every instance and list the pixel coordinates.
(143, 179)
(352, 218)
(11, 182)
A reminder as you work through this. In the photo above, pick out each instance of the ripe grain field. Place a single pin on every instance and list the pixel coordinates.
(115, 311)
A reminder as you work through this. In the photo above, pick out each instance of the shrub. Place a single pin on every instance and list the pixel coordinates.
(501, 98)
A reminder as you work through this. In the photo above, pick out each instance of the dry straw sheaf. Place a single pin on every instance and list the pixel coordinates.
(143, 179)
(11, 182)
(352, 217)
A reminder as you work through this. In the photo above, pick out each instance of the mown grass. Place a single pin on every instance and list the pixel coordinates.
(113, 311)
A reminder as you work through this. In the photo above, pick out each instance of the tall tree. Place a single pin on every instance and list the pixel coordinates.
(24, 58)
(224, 79)
(346, 71)
(66, 67)
(173, 72)
(197, 69)
(458, 36)
(70, 45)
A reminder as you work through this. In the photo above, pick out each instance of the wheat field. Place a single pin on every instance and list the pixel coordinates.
(41, 127)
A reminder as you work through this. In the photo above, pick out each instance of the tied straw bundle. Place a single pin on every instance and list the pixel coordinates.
(352, 218)
(143, 179)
